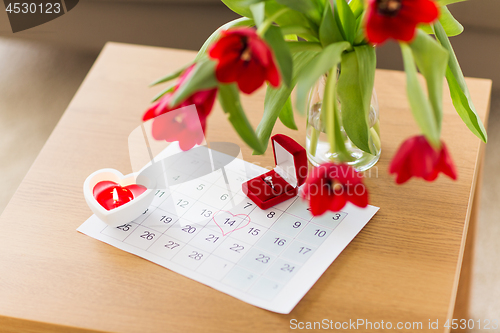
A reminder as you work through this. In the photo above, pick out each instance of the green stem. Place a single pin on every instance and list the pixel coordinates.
(337, 144)
(267, 23)
(329, 109)
(313, 144)
(375, 138)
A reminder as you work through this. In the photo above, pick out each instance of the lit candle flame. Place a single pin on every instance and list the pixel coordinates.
(115, 196)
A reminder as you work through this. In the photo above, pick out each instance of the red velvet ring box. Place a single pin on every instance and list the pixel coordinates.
(290, 172)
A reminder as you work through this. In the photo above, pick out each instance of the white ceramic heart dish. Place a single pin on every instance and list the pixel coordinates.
(127, 212)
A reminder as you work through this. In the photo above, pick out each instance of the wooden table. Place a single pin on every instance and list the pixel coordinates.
(403, 267)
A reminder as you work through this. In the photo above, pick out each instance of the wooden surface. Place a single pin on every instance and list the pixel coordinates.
(404, 266)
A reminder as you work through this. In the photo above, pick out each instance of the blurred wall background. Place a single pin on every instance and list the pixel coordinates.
(41, 69)
(187, 23)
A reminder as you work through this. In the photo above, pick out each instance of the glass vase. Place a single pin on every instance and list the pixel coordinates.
(317, 144)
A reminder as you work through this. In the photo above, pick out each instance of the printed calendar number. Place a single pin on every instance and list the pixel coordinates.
(314, 234)
(330, 220)
(279, 241)
(263, 259)
(189, 229)
(160, 193)
(148, 235)
(196, 255)
(124, 227)
(166, 219)
(297, 225)
(248, 204)
(282, 270)
(298, 252)
(212, 238)
(172, 245)
(270, 215)
(230, 222)
(120, 232)
(320, 233)
(206, 213)
(182, 203)
(237, 248)
(304, 250)
(254, 231)
(273, 242)
(288, 268)
(200, 187)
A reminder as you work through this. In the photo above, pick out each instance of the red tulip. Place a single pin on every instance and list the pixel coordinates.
(177, 124)
(203, 100)
(397, 19)
(244, 58)
(181, 125)
(417, 158)
(331, 186)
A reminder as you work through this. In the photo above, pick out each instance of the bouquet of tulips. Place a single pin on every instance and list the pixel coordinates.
(290, 45)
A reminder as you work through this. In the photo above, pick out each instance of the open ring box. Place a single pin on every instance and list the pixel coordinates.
(290, 172)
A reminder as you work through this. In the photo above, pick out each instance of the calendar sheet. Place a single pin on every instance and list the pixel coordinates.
(205, 228)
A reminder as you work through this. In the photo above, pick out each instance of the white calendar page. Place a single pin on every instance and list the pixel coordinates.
(208, 230)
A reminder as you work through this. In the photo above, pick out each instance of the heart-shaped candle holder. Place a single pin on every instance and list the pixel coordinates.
(124, 212)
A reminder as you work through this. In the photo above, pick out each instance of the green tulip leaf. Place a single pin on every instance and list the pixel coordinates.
(420, 106)
(449, 23)
(282, 53)
(202, 77)
(229, 100)
(170, 88)
(431, 59)
(448, 2)
(286, 115)
(306, 7)
(241, 7)
(291, 18)
(171, 76)
(465, 108)
(355, 88)
(357, 7)
(310, 74)
(458, 88)
(258, 12)
(329, 32)
(451, 26)
(345, 19)
(360, 30)
(302, 46)
(296, 30)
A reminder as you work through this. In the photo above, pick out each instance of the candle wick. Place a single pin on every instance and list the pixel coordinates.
(115, 196)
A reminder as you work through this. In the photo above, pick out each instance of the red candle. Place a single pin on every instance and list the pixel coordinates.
(111, 195)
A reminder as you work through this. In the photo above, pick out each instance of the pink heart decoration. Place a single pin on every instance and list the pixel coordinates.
(227, 219)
